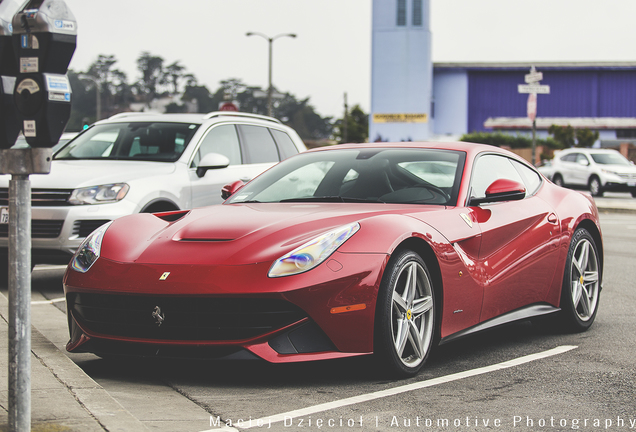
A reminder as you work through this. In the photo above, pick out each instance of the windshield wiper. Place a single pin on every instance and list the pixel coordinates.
(335, 198)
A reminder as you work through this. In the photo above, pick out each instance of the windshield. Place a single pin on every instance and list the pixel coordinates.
(408, 176)
(610, 159)
(146, 141)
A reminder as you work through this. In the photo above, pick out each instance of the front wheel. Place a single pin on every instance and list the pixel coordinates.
(405, 318)
(595, 187)
(558, 180)
(581, 282)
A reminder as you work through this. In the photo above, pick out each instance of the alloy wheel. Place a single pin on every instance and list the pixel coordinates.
(412, 320)
(584, 280)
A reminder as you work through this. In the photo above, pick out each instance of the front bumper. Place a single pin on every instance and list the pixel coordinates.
(224, 311)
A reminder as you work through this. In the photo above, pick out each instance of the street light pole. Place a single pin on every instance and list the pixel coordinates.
(98, 90)
(270, 41)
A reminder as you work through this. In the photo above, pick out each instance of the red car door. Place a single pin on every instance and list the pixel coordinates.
(519, 239)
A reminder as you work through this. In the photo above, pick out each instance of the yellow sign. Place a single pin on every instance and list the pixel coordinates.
(400, 118)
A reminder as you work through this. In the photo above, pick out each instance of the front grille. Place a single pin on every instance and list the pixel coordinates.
(628, 176)
(41, 197)
(39, 229)
(185, 318)
(82, 228)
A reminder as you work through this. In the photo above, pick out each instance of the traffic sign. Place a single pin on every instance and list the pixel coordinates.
(532, 106)
(533, 88)
(533, 77)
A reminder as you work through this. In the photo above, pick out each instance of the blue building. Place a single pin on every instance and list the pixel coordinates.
(414, 99)
(484, 97)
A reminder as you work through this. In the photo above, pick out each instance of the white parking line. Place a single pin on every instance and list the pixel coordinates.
(57, 300)
(396, 390)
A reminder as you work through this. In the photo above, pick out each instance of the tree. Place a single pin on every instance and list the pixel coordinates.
(172, 77)
(563, 135)
(115, 91)
(586, 138)
(357, 127)
(151, 68)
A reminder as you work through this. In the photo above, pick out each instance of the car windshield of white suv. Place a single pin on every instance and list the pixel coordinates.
(144, 141)
(609, 159)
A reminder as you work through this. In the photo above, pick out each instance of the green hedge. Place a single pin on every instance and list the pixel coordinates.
(512, 141)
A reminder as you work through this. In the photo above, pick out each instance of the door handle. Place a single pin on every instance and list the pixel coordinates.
(552, 218)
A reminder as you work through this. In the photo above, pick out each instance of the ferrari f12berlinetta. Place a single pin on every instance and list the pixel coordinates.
(383, 249)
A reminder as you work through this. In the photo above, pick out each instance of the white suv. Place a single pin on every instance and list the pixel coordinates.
(135, 162)
(598, 170)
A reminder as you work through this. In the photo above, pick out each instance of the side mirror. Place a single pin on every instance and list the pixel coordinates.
(501, 190)
(230, 189)
(212, 161)
(583, 162)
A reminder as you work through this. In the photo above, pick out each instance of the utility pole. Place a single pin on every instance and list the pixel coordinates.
(345, 130)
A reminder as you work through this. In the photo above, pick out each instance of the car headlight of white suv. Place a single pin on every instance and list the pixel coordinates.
(99, 194)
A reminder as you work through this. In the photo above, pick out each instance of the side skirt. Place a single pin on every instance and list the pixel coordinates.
(516, 315)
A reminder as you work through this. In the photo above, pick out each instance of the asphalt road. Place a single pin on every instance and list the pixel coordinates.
(583, 381)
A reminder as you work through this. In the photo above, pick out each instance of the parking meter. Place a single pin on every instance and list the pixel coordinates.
(44, 40)
(9, 128)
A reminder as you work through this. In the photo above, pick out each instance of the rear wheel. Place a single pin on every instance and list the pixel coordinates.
(405, 319)
(558, 180)
(595, 187)
(581, 282)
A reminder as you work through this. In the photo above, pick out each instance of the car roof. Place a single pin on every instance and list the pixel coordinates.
(198, 118)
(471, 149)
(588, 150)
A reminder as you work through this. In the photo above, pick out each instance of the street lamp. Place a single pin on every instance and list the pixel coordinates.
(270, 40)
(98, 90)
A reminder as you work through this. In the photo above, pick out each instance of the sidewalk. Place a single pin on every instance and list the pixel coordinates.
(617, 205)
(64, 398)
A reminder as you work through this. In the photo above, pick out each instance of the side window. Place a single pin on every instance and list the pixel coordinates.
(258, 144)
(569, 157)
(582, 159)
(489, 168)
(223, 140)
(531, 179)
(286, 146)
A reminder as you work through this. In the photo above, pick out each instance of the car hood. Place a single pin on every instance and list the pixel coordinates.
(235, 234)
(72, 174)
(620, 169)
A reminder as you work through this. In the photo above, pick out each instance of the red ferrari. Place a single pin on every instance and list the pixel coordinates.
(383, 249)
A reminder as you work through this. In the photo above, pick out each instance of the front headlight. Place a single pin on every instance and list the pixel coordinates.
(89, 250)
(99, 194)
(313, 252)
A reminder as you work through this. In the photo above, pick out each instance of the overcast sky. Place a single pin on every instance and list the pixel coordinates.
(332, 52)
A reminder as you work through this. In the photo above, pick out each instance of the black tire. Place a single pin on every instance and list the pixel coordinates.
(595, 187)
(634, 194)
(405, 322)
(558, 180)
(581, 283)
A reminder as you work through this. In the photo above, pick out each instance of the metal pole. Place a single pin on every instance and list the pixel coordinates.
(20, 303)
(534, 142)
(269, 80)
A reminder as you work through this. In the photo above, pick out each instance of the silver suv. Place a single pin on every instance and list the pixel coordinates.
(598, 170)
(135, 162)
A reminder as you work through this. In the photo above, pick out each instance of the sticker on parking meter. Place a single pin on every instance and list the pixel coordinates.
(29, 85)
(28, 64)
(57, 83)
(59, 97)
(64, 25)
(29, 128)
(29, 41)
